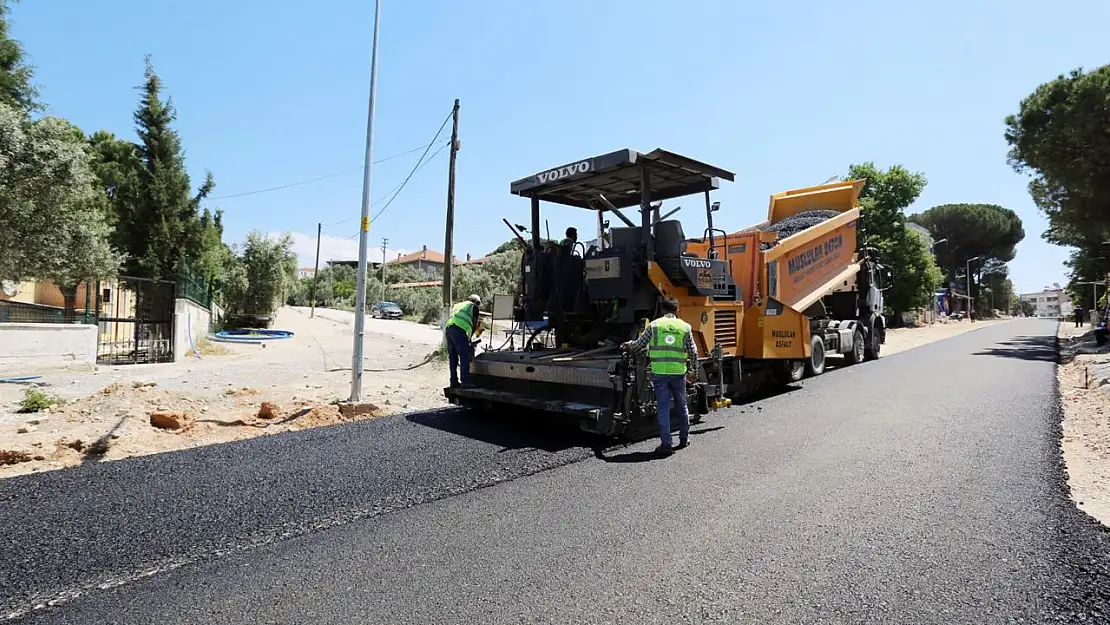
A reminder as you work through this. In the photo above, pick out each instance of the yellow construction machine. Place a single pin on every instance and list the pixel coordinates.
(766, 304)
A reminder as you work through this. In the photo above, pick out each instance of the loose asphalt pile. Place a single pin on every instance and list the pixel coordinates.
(796, 223)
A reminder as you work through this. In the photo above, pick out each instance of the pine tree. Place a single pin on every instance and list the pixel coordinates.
(159, 224)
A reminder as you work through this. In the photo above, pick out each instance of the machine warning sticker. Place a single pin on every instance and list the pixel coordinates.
(705, 279)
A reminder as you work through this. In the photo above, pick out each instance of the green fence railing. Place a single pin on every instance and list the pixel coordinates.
(19, 312)
(195, 288)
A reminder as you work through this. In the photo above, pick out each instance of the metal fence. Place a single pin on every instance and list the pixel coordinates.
(21, 312)
(136, 322)
(194, 287)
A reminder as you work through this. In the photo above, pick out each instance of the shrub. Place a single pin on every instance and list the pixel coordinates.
(35, 400)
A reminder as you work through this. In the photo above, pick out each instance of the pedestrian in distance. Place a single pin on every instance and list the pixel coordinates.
(1078, 316)
(458, 332)
(669, 342)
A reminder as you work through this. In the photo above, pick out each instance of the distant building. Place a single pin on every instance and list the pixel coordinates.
(429, 262)
(1050, 302)
(306, 272)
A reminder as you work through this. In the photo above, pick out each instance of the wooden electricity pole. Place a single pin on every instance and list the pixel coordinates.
(316, 269)
(448, 244)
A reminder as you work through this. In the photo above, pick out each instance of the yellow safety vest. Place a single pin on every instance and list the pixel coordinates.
(667, 348)
(462, 315)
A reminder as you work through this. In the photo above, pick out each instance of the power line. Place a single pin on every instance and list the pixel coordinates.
(388, 194)
(311, 180)
(418, 165)
(416, 169)
(397, 189)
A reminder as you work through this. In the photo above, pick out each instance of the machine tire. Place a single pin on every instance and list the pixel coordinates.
(857, 353)
(788, 371)
(815, 366)
(874, 343)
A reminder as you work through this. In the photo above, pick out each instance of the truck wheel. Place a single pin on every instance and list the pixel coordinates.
(788, 371)
(874, 343)
(815, 366)
(856, 356)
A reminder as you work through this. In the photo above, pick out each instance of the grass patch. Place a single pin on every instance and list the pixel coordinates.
(206, 347)
(35, 400)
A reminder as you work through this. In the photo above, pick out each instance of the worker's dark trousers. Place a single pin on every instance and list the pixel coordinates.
(666, 388)
(458, 353)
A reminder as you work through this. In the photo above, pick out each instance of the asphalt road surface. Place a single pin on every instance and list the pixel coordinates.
(923, 488)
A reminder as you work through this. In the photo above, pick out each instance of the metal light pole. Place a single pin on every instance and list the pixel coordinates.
(968, 276)
(364, 229)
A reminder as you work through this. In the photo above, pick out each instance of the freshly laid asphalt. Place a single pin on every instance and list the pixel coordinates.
(923, 488)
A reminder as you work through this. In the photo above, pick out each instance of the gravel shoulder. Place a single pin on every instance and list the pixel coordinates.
(1084, 379)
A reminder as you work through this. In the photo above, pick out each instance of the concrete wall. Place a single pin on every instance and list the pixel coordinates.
(32, 346)
(188, 315)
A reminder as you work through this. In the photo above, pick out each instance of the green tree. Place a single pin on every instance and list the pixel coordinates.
(158, 222)
(50, 228)
(512, 245)
(886, 194)
(1060, 136)
(987, 231)
(259, 275)
(16, 89)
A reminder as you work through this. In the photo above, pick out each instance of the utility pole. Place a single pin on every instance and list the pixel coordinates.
(449, 236)
(316, 269)
(364, 226)
(385, 242)
(969, 301)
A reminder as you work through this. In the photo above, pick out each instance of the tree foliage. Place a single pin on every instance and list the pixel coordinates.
(886, 194)
(498, 275)
(259, 274)
(16, 89)
(50, 228)
(1060, 136)
(987, 231)
(157, 216)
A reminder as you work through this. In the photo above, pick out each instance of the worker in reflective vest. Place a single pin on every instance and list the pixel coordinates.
(458, 332)
(669, 342)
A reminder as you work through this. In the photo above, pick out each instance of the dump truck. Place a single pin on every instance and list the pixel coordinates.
(766, 304)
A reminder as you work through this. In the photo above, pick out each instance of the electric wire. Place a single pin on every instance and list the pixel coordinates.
(311, 180)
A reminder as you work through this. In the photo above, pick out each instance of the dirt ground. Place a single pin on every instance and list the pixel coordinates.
(107, 412)
(1085, 394)
(234, 392)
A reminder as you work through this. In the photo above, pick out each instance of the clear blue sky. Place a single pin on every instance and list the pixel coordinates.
(271, 92)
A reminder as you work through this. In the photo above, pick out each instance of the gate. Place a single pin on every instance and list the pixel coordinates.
(135, 319)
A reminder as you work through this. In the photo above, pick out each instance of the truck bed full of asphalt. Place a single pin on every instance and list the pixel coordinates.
(926, 487)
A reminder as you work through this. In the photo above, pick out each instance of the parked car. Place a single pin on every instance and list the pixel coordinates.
(386, 310)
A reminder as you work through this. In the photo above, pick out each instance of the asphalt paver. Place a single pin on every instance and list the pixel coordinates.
(926, 487)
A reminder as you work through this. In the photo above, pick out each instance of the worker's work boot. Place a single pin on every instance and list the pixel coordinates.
(664, 450)
(683, 444)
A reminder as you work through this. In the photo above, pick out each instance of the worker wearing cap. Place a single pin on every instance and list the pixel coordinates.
(674, 357)
(458, 332)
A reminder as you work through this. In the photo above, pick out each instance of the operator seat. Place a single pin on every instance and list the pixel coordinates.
(670, 247)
